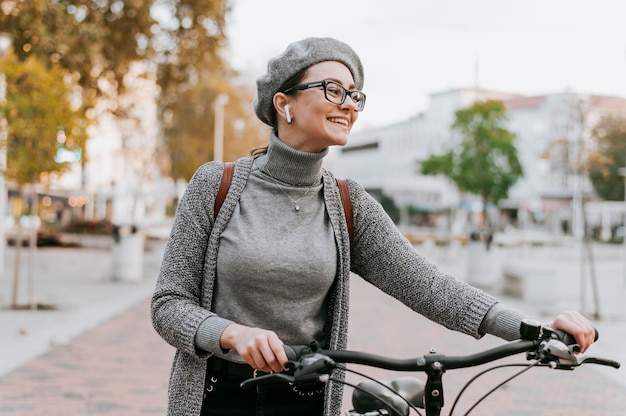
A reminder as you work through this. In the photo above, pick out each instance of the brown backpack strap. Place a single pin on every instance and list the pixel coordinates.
(344, 191)
(227, 178)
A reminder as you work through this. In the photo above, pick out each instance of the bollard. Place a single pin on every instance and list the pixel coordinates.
(127, 253)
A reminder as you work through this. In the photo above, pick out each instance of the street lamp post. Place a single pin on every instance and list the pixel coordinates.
(622, 172)
(218, 139)
(5, 44)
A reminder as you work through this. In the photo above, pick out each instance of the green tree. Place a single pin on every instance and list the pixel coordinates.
(96, 41)
(608, 156)
(486, 162)
(40, 119)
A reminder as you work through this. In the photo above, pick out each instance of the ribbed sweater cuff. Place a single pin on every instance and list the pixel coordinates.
(209, 333)
(503, 322)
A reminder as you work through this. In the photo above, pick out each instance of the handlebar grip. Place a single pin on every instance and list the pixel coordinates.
(294, 352)
(568, 339)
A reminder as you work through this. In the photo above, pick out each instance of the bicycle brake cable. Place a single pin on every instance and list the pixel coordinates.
(390, 406)
(466, 386)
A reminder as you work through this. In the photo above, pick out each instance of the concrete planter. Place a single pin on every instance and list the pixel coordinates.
(480, 273)
(127, 253)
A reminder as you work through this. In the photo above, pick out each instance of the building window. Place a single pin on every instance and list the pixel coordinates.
(361, 147)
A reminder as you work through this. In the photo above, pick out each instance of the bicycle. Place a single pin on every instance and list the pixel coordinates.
(544, 347)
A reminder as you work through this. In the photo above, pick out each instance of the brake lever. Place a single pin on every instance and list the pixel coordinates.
(559, 350)
(601, 361)
(558, 355)
(312, 367)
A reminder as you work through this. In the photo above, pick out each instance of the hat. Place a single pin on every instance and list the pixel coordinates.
(298, 56)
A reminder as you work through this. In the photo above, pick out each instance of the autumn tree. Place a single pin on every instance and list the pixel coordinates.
(95, 42)
(40, 120)
(485, 163)
(192, 80)
(190, 131)
(607, 157)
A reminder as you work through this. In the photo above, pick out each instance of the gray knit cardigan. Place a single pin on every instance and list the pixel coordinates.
(380, 254)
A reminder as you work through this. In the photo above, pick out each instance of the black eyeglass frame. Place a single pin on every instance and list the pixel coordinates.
(324, 83)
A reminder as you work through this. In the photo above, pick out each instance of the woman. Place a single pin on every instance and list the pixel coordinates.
(273, 266)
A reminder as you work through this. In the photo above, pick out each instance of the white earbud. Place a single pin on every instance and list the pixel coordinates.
(287, 114)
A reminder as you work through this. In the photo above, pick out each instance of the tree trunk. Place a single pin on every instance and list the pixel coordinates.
(16, 267)
(32, 251)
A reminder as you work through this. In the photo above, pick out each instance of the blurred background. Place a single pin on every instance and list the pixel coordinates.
(492, 124)
(494, 135)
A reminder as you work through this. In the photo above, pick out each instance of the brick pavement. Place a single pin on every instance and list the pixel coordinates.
(120, 367)
(381, 325)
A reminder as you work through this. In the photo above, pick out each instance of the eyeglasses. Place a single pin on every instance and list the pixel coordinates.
(334, 92)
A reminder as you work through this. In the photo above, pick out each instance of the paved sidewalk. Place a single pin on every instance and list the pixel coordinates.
(98, 354)
(119, 367)
(79, 283)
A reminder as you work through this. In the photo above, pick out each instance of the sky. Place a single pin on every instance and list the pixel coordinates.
(411, 49)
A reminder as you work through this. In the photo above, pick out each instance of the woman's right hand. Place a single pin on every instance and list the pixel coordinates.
(262, 349)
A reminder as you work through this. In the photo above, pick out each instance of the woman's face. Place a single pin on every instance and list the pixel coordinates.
(316, 122)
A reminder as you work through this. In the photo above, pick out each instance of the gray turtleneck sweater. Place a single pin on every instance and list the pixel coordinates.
(261, 262)
(277, 259)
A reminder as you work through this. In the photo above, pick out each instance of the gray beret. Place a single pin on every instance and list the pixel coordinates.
(298, 56)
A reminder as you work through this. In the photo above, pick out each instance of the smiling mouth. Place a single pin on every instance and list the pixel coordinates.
(339, 121)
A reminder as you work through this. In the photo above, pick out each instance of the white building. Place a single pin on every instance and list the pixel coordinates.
(551, 132)
(121, 179)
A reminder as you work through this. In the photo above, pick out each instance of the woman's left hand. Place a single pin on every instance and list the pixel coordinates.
(576, 325)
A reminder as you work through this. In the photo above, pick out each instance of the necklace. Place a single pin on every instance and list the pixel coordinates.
(295, 201)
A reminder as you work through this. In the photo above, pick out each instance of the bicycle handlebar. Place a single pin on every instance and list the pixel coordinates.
(546, 346)
(550, 347)
(421, 363)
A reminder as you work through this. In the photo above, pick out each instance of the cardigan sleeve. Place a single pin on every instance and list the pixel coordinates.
(385, 258)
(175, 307)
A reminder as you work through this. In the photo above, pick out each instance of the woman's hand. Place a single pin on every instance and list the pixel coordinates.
(576, 325)
(262, 349)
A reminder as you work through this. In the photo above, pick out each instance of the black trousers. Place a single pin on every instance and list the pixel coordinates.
(223, 396)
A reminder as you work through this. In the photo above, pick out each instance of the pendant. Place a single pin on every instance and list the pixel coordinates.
(297, 208)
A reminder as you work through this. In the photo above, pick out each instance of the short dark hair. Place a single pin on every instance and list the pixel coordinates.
(291, 82)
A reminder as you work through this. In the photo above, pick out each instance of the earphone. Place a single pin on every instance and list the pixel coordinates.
(287, 114)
